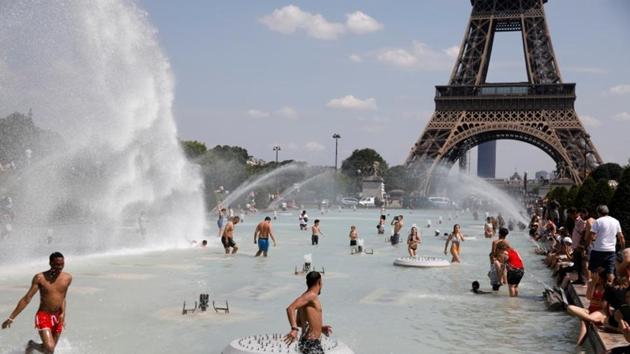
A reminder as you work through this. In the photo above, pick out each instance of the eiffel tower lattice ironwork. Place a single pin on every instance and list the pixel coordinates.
(469, 111)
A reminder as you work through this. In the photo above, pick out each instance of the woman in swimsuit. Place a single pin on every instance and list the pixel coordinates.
(598, 310)
(455, 239)
(413, 240)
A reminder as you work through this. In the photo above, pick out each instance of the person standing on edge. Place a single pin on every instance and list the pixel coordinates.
(315, 232)
(577, 238)
(306, 313)
(261, 236)
(53, 286)
(513, 264)
(228, 235)
(607, 233)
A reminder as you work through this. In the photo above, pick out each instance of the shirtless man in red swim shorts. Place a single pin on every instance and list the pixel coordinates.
(52, 285)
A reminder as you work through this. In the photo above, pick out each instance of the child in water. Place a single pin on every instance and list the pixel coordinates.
(354, 235)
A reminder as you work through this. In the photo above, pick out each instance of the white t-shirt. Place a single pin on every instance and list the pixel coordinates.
(606, 229)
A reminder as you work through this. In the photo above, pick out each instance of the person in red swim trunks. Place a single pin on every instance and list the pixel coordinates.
(52, 285)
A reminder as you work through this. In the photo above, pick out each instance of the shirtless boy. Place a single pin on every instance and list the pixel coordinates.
(52, 285)
(306, 313)
(228, 235)
(315, 232)
(398, 225)
(261, 236)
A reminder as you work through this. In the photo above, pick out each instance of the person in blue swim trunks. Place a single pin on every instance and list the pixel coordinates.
(261, 236)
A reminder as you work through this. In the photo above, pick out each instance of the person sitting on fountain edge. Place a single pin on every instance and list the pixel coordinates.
(306, 313)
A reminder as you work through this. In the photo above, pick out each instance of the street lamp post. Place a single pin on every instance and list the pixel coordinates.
(276, 148)
(336, 137)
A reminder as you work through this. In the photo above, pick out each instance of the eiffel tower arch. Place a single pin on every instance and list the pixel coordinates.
(469, 111)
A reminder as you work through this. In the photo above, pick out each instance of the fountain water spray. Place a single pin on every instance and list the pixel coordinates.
(256, 182)
(94, 72)
(297, 186)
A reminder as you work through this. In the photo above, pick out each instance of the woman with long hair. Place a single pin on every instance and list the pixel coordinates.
(455, 238)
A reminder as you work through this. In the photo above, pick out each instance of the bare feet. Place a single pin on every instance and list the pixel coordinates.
(30, 346)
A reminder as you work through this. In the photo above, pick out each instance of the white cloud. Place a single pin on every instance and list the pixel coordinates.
(254, 113)
(291, 18)
(619, 90)
(590, 121)
(356, 58)
(452, 52)
(623, 116)
(313, 146)
(351, 102)
(287, 112)
(419, 56)
(360, 23)
(399, 57)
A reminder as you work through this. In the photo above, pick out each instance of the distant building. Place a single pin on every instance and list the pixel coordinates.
(487, 159)
(542, 175)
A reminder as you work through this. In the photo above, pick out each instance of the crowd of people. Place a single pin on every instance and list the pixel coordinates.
(589, 250)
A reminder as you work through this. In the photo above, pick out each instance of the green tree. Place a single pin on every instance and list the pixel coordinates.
(361, 163)
(607, 172)
(602, 193)
(227, 152)
(584, 198)
(620, 203)
(193, 148)
(572, 195)
(399, 177)
(18, 133)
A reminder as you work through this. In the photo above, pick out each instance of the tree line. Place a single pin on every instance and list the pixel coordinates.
(608, 184)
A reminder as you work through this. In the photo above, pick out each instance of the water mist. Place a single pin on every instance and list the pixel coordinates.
(93, 72)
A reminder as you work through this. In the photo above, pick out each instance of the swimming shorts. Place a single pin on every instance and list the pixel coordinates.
(353, 242)
(605, 260)
(263, 244)
(314, 240)
(45, 320)
(227, 242)
(394, 239)
(514, 276)
(310, 346)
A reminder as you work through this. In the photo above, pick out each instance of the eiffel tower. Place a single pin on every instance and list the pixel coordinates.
(469, 111)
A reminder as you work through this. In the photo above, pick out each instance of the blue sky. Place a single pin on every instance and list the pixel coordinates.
(249, 76)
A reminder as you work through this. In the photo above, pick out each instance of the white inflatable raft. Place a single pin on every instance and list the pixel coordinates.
(421, 262)
(273, 343)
